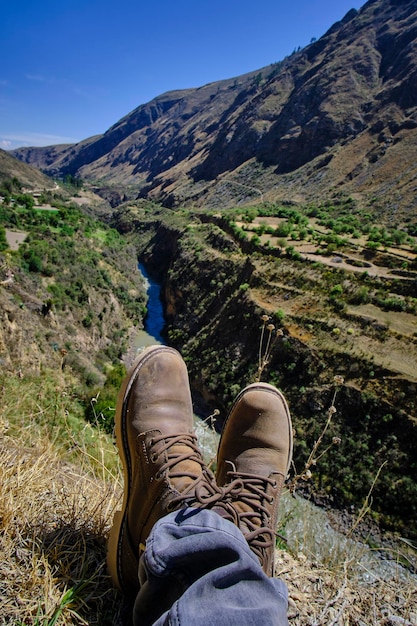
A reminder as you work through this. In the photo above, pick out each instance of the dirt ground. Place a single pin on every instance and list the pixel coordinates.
(15, 238)
(346, 260)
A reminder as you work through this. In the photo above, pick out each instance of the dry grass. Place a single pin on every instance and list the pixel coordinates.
(54, 520)
(321, 596)
(59, 488)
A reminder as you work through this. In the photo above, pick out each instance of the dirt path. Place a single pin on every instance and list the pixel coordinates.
(342, 262)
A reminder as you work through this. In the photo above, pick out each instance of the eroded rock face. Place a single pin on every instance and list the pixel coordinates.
(338, 108)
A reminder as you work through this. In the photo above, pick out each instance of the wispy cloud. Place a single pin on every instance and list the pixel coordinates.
(62, 82)
(10, 141)
(41, 79)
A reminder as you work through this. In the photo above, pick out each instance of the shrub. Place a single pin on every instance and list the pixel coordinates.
(360, 296)
(3, 240)
(279, 316)
(87, 322)
(101, 407)
(283, 230)
(32, 260)
(335, 291)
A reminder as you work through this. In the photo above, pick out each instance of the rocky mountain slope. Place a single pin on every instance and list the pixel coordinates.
(341, 114)
(29, 177)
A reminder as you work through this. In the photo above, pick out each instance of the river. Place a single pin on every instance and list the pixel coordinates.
(154, 321)
(306, 527)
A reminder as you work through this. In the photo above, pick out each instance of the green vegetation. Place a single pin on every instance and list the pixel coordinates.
(72, 181)
(3, 240)
(102, 404)
(339, 225)
(80, 277)
(73, 250)
(50, 408)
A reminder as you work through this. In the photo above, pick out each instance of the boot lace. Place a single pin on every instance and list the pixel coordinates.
(252, 504)
(202, 490)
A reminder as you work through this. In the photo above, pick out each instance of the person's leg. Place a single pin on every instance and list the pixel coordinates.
(255, 450)
(164, 472)
(216, 567)
(163, 467)
(198, 569)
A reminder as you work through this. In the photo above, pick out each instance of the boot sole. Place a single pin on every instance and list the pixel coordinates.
(119, 547)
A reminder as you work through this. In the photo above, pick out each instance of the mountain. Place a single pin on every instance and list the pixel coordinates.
(30, 177)
(339, 116)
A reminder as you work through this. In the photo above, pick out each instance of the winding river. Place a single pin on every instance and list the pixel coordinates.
(306, 527)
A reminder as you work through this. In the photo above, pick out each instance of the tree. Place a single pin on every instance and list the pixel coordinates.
(26, 200)
(73, 181)
(249, 215)
(283, 230)
(3, 239)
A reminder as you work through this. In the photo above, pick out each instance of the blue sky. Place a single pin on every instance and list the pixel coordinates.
(69, 70)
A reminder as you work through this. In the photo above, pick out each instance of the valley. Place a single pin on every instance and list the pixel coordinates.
(277, 212)
(221, 271)
(334, 332)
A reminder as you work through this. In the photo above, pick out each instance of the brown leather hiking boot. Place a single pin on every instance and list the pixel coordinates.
(253, 460)
(163, 468)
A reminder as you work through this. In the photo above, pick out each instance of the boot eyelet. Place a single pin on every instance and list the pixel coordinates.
(153, 458)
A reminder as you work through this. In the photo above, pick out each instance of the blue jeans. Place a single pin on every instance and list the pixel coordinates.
(198, 569)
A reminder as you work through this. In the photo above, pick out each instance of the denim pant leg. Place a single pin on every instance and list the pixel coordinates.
(198, 569)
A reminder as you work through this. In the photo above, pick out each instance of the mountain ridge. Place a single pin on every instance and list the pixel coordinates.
(339, 115)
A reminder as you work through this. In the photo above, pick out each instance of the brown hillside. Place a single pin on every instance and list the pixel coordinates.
(339, 115)
(30, 177)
